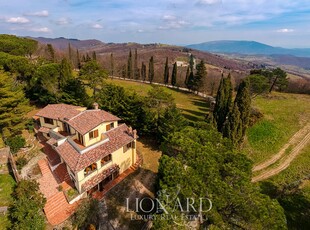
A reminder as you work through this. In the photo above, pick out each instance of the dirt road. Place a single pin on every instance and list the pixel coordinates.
(299, 141)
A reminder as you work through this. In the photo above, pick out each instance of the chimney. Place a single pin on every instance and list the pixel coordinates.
(95, 105)
(135, 134)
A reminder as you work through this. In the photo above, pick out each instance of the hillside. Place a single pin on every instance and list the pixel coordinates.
(145, 50)
(62, 43)
(247, 47)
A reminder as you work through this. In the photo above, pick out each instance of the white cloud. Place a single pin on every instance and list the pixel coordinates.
(169, 17)
(97, 26)
(177, 24)
(209, 2)
(63, 21)
(18, 20)
(43, 13)
(42, 30)
(285, 30)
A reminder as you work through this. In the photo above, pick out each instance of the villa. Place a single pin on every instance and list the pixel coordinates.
(93, 147)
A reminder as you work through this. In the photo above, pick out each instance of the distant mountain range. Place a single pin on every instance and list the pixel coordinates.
(247, 48)
(62, 43)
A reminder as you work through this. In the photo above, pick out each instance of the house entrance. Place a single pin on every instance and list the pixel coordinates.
(105, 181)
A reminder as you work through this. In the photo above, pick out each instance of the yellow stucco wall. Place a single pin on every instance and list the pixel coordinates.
(46, 124)
(101, 129)
(123, 160)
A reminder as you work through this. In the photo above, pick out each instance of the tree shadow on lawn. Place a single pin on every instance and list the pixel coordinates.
(202, 104)
(150, 143)
(198, 115)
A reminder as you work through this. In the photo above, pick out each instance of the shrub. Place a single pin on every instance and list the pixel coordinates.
(29, 125)
(255, 116)
(15, 143)
(26, 209)
(1, 142)
(21, 162)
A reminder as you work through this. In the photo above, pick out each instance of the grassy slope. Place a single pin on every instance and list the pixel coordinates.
(6, 184)
(284, 114)
(192, 106)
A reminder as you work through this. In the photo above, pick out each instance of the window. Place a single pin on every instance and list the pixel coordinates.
(106, 159)
(126, 147)
(93, 134)
(48, 121)
(90, 169)
(80, 138)
(110, 126)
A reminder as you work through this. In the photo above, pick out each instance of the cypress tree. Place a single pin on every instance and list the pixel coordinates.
(191, 63)
(190, 81)
(79, 65)
(65, 72)
(129, 65)
(124, 71)
(136, 69)
(151, 69)
(243, 101)
(200, 75)
(186, 78)
(143, 71)
(174, 74)
(166, 73)
(232, 128)
(112, 65)
(50, 53)
(94, 55)
(70, 53)
(223, 102)
(88, 58)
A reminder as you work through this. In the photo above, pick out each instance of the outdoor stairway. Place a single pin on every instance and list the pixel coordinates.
(44, 167)
(52, 156)
(62, 173)
(57, 209)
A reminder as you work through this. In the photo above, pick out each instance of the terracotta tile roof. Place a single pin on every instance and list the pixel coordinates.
(118, 137)
(51, 141)
(59, 111)
(44, 130)
(90, 119)
(99, 177)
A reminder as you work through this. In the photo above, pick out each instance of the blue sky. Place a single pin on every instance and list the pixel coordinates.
(283, 23)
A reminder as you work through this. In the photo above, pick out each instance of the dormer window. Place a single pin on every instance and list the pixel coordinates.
(88, 170)
(93, 134)
(110, 126)
(48, 121)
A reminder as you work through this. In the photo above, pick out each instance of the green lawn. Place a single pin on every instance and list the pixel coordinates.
(6, 184)
(6, 187)
(284, 114)
(4, 222)
(193, 107)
